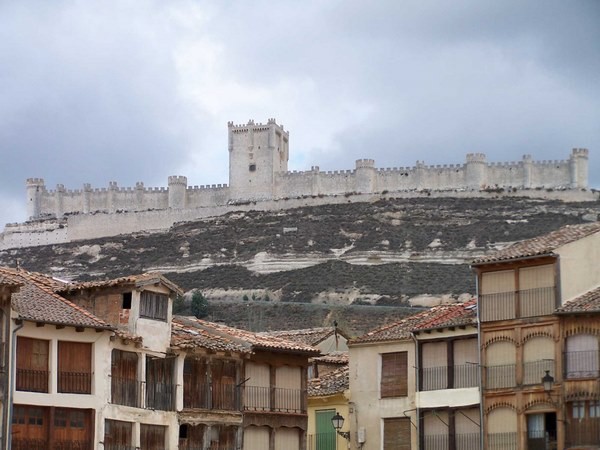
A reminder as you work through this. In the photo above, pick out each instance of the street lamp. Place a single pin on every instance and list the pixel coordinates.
(547, 381)
(338, 422)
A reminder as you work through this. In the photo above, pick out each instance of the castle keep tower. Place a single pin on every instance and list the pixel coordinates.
(578, 163)
(256, 153)
(35, 189)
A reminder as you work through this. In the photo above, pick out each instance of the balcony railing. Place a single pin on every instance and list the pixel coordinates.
(466, 375)
(584, 364)
(321, 441)
(463, 441)
(537, 302)
(534, 371)
(498, 377)
(216, 396)
(531, 303)
(434, 378)
(502, 441)
(583, 433)
(160, 396)
(75, 382)
(125, 391)
(260, 398)
(32, 380)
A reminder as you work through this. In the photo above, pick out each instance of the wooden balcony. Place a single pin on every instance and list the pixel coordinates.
(215, 396)
(126, 392)
(517, 304)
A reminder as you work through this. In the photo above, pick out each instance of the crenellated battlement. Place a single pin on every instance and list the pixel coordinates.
(258, 171)
(476, 158)
(177, 179)
(365, 163)
(35, 181)
(580, 152)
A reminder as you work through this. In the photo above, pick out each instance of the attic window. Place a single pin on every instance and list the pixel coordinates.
(252, 168)
(154, 305)
(126, 300)
(183, 431)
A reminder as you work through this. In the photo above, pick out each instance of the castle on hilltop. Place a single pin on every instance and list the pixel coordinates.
(258, 171)
(259, 179)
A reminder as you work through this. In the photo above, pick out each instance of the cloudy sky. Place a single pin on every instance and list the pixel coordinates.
(96, 91)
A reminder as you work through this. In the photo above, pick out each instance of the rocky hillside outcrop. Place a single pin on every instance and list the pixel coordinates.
(386, 252)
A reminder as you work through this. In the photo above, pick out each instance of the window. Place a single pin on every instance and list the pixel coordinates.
(117, 434)
(32, 364)
(152, 437)
(252, 168)
(394, 382)
(154, 305)
(126, 304)
(74, 367)
(582, 356)
(396, 434)
(124, 384)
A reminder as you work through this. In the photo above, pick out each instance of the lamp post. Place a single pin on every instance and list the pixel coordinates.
(338, 422)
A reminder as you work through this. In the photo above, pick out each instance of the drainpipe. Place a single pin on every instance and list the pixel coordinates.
(417, 387)
(481, 427)
(13, 375)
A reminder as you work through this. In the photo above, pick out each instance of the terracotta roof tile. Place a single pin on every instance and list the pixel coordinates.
(443, 316)
(542, 245)
(310, 336)
(588, 302)
(334, 382)
(332, 358)
(36, 301)
(221, 337)
(138, 280)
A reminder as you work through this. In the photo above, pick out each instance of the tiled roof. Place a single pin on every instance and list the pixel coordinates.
(588, 302)
(334, 382)
(443, 316)
(221, 337)
(6, 280)
(310, 336)
(137, 280)
(332, 358)
(542, 245)
(36, 301)
(453, 315)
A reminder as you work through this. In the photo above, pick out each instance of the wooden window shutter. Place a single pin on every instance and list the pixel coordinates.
(396, 434)
(394, 374)
(74, 367)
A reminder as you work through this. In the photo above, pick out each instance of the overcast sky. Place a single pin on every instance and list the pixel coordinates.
(96, 91)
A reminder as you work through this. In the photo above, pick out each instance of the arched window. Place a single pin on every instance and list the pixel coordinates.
(500, 365)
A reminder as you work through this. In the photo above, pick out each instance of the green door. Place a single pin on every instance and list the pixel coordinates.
(325, 437)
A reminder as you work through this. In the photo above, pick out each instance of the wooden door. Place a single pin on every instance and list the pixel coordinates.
(117, 435)
(124, 384)
(72, 429)
(152, 437)
(325, 436)
(29, 428)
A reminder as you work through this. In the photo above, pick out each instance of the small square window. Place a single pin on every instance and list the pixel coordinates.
(252, 168)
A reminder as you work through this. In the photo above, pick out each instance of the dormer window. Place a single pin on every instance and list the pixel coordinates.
(154, 305)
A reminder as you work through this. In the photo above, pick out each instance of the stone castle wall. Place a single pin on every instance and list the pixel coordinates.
(258, 157)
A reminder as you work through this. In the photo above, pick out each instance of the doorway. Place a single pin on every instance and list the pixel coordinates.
(541, 431)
